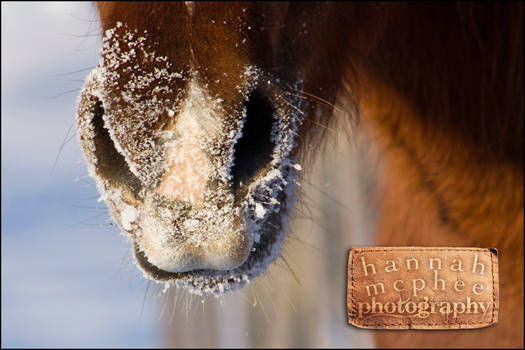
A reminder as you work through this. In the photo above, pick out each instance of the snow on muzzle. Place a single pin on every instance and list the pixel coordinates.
(194, 194)
(200, 185)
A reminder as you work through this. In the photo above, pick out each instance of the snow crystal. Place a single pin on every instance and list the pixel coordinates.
(128, 216)
(259, 210)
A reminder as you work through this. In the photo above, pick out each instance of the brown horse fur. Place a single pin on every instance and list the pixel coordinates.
(437, 86)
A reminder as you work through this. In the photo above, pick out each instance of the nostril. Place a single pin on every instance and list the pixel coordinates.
(110, 164)
(253, 151)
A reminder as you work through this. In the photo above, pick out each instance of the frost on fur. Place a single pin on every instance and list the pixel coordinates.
(151, 123)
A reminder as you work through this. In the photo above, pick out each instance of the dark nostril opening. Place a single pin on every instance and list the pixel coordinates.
(110, 163)
(253, 151)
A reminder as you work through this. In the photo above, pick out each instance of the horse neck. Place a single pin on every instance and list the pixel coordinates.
(446, 125)
(448, 181)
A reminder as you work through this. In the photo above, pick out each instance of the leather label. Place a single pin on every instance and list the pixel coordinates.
(422, 287)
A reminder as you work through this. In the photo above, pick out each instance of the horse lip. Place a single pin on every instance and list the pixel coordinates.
(187, 269)
(206, 281)
(258, 251)
(150, 269)
(200, 239)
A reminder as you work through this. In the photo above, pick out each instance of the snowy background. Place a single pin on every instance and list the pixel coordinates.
(67, 277)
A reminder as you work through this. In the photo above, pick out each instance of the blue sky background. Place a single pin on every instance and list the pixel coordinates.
(67, 276)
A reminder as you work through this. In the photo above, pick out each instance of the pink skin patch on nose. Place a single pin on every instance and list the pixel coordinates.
(187, 170)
